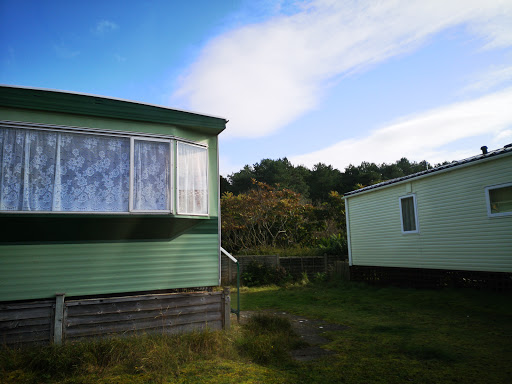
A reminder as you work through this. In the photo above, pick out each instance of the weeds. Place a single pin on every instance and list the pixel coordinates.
(150, 357)
(268, 339)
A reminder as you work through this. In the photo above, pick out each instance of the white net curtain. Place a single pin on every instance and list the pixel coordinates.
(192, 179)
(50, 171)
(151, 176)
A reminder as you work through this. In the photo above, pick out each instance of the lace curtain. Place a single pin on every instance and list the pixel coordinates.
(75, 172)
(152, 168)
(51, 171)
(192, 179)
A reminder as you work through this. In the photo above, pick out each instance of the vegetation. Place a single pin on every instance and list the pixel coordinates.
(273, 218)
(398, 335)
(315, 184)
(394, 335)
(258, 274)
(276, 205)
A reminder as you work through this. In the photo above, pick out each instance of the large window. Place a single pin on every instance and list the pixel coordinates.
(408, 214)
(499, 200)
(66, 171)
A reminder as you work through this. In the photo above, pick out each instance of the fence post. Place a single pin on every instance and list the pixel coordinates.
(226, 311)
(230, 278)
(325, 263)
(59, 317)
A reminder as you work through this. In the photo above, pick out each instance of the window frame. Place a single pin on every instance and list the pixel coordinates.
(170, 205)
(488, 200)
(178, 212)
(173, 168)
(416, 221)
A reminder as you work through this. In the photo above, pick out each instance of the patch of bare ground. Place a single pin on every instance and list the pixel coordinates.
(311, 331)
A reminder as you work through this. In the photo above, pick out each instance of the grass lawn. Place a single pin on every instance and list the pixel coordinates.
(401, 335)
(395, 335)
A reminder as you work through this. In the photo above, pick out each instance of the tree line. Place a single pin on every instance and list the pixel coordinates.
(315, 184)
(276, 205)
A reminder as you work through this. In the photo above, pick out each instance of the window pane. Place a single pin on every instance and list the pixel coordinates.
(501, 199)
(151, 190)
(28, 169)
(408, 216)
(192, 179)
(93, 173)
(51, 171)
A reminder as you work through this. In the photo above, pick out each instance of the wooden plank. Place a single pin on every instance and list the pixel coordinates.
(141, 298)
(182, 328)
(30, 305)
(124, 327)
(25, 313)
(33, 328)
(24, 323)
(58, 318)
(136, 306)
(143, 325)
(27, 337)
(226, 310)
(95, 318)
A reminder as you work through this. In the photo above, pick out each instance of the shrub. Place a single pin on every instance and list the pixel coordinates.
(257, 274)
(333, 245)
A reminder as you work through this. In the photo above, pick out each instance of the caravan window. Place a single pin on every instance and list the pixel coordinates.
(192, 179)
(499, 200)
(49, 170)
(409, 214)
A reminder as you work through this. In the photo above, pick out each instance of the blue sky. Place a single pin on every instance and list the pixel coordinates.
(337, 82)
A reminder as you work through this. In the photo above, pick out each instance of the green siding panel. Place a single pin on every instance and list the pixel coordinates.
(79, 255)
(40, 271)
(455, 231)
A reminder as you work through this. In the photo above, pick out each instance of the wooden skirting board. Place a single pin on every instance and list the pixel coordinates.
(65, 320)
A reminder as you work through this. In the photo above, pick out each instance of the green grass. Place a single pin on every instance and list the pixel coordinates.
(402, 335)
(394, 336)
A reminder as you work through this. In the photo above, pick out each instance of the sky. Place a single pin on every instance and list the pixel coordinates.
(337, 82)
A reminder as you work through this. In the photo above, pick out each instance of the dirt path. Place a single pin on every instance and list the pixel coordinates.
(310, 330)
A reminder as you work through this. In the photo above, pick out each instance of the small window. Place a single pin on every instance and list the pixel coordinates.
(499, 200)
(408, 214)
(151, 175)
(192, 179)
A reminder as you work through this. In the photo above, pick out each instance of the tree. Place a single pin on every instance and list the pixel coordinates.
(278, 173)
(323, 179)
(264, 217)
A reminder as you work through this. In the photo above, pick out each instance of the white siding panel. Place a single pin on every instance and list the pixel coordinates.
(454, 229)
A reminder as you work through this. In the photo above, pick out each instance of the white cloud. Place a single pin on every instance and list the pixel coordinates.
(265, 75)
(105, 26)
(423, 136)
(497, 76)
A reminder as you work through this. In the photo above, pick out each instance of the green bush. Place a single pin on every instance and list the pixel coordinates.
(257, 274)
(333, 245)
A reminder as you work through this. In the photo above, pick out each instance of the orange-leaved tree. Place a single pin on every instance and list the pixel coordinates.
(265, 216)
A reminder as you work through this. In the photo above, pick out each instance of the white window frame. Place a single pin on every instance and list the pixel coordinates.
(413, 196)
(129, 135)
(178, 181)
(132, 177)
(488, 200)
